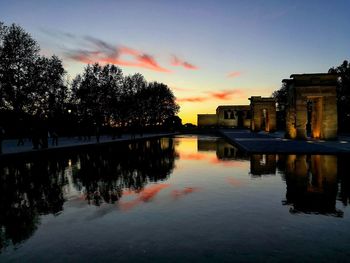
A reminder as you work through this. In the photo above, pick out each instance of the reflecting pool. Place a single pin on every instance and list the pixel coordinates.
(188, 198)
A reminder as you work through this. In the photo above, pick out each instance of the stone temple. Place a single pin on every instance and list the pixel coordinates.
(312, 106)
(263, 114)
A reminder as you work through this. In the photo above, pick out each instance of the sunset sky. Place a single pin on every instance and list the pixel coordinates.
(209, 53)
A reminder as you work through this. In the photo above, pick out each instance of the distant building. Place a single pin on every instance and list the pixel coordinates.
(260, 115)
(263, 114)
(231, 116)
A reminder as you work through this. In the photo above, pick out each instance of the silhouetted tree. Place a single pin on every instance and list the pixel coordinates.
(132, 107)
(343, 95)
(34, 86)
(30, 84)
(18, 54)
(97, 94)
(159, 103)
(111, 80)
(281, 96)
(51, 91)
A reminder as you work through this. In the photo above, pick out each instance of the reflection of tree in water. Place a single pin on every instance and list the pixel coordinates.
(104, 173)
(344, 179)
(28, 189)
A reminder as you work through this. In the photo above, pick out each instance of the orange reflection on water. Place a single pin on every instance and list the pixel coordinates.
(146, 195)
(194, 156)
(234, 182)
(187, 190)
(228, 163)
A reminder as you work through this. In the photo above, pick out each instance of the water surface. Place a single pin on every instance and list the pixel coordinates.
(189, 198)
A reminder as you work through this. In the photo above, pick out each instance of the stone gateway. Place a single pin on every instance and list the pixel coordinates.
(312, 106)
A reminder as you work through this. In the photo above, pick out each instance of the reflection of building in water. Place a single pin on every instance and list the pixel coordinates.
(262, 164)
(312, 183)
(224, 150)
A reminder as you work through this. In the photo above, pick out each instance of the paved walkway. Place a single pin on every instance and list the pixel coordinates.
(9, 147)
(275, 143)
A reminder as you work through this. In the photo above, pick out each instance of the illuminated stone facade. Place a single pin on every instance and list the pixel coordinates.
(263, 114)
(312, 101)
(230, 116)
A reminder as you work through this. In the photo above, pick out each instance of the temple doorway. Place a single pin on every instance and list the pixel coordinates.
(240, 121)
(264, 120)
(314, 117)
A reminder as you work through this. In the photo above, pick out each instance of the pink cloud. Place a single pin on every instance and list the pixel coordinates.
(191, 99)
(102, 52)
(226, 94)
(180, 89)
(178, 62)
(234, 74)
(218, 95)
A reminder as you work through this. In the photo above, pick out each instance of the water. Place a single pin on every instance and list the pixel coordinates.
(187, 198)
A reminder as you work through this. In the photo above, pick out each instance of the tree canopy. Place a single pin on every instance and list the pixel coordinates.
(343, 94)
(35, 85)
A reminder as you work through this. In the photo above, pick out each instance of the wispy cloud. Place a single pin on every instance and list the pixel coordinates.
(215, 95)
(94, 50)
(175, 61)
(104, 53)
(180, 88)
(226, 94)
(234, 74)
(191, 99)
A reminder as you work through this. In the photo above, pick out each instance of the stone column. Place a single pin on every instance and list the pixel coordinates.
(301, 118)
(329, 128)
(272, 118)
(316, 120)
(290, 123)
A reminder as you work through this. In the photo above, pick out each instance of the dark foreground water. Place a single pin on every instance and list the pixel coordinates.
(184, 199)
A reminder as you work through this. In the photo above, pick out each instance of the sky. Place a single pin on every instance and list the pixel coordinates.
(209, 53)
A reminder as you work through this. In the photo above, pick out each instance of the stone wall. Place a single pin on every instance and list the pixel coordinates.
(206, 120)
(230, 116)
(235, 111)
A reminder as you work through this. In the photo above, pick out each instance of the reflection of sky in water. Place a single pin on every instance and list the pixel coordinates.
(217, 204)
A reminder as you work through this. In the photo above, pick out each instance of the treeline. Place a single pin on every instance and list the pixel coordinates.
(35, 88)
(343, 97)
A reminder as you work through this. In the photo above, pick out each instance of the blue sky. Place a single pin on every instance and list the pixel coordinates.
(193, 46)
